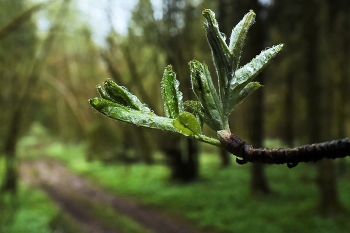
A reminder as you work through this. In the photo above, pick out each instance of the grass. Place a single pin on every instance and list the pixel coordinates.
(109, 217)
(221, 200)
(31, 211)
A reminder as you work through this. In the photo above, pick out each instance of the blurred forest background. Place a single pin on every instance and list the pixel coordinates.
(48, 74)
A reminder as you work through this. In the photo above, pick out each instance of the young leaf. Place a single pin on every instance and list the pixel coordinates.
(187, 124)
(247, 90)
(221, 55)
(230, 105)
(252, 69)
(172, 97)
(246, 73)
(123, 113)
(122, 96)
(199, 111)
(238, 36)
(195, 106)
(205, 91)
(103, 93)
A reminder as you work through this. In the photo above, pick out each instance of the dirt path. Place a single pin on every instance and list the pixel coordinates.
(68, 189)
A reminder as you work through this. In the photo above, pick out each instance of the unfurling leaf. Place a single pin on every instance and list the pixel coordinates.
(172, 97)
(137, 117)
(238, 36)
(205, 91)
(187, 124)
(252, 69)
(122, 96)
(245, 74)
(103, 93)
(195, 106)
(247, 90)
(220, 52)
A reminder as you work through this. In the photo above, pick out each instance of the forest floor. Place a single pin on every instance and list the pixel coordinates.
(76, 196)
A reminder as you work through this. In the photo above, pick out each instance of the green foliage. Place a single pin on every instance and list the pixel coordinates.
(122, 96)
(31, 211)
(63, 222)
(127, 114)
(205, 91)
(214, 106)
(187, 124)
(172, 96)
(114, 220)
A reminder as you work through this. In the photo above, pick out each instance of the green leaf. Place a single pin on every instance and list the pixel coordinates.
(238, 36)
(172, 97)
(253, 68)
(247, 90)
(221, 55)
(187, 124)
(103, 93)
(205, 91)
(140, 118)
(246, 73)
(197, 109)
(195, 106)
(122, 96)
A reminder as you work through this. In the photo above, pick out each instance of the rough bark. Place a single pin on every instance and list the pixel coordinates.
(290, 156)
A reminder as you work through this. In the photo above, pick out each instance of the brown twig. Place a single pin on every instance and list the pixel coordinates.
(291, 156)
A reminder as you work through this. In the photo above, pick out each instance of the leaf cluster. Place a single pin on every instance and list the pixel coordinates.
(213, 105)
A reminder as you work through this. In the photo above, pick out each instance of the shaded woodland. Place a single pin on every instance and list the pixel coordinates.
(47, 76)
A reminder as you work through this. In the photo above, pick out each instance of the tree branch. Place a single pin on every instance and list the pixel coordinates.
(291, 156)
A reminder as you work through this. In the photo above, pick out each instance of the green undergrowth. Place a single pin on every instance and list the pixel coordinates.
(220, 201)
(31, 211)
(62, 222)
(107, 216)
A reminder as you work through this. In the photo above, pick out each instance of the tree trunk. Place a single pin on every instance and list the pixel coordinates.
(182, 156)
(257, 35)
(340, 76)
(225, 158)
(329, 204)
(318, 100)
(233, 11)
(288, 135)
(258, 182)
(10, 181)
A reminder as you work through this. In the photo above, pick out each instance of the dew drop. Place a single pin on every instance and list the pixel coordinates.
(250, 69)
(223, 36)
(124, 88)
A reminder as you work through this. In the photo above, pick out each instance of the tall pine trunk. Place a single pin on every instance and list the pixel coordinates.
(10, 181)
(182, 154)
(318, 100)
(258, 183)
(228, 13)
